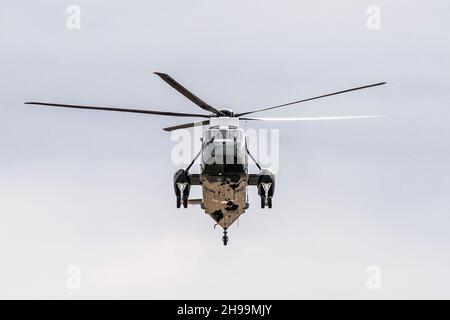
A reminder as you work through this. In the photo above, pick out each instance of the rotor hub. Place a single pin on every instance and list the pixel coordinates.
(227, 112)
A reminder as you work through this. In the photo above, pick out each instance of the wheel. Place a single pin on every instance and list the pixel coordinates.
(185, 202)
(178, 202)
(269, 202)
(263, 202)
(225, 240)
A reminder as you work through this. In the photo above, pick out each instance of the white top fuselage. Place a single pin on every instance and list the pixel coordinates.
(224, 121)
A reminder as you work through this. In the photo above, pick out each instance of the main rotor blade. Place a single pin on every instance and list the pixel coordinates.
(187, 125)
(313, 98)
(105, 108)
(185, 92)
(312, 118)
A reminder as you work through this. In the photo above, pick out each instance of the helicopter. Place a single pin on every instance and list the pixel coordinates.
(224, 176)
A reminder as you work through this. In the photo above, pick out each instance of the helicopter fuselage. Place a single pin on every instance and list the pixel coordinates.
(224, 171)
(224, 174)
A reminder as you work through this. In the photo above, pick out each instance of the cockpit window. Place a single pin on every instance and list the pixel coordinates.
(224, 150)
(224, 134)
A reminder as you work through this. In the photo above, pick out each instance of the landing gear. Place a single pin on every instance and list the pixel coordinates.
(225, 237)
(184, 201)
(266, 202)
(266, 199)
(182, 195)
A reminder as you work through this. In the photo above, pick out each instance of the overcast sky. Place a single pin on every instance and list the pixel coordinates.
(94, 189)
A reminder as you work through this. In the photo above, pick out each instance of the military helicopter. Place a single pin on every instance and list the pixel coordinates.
(224, 175)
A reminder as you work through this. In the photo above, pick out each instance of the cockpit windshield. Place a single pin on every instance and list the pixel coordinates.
(224, 151)
(224, 134)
